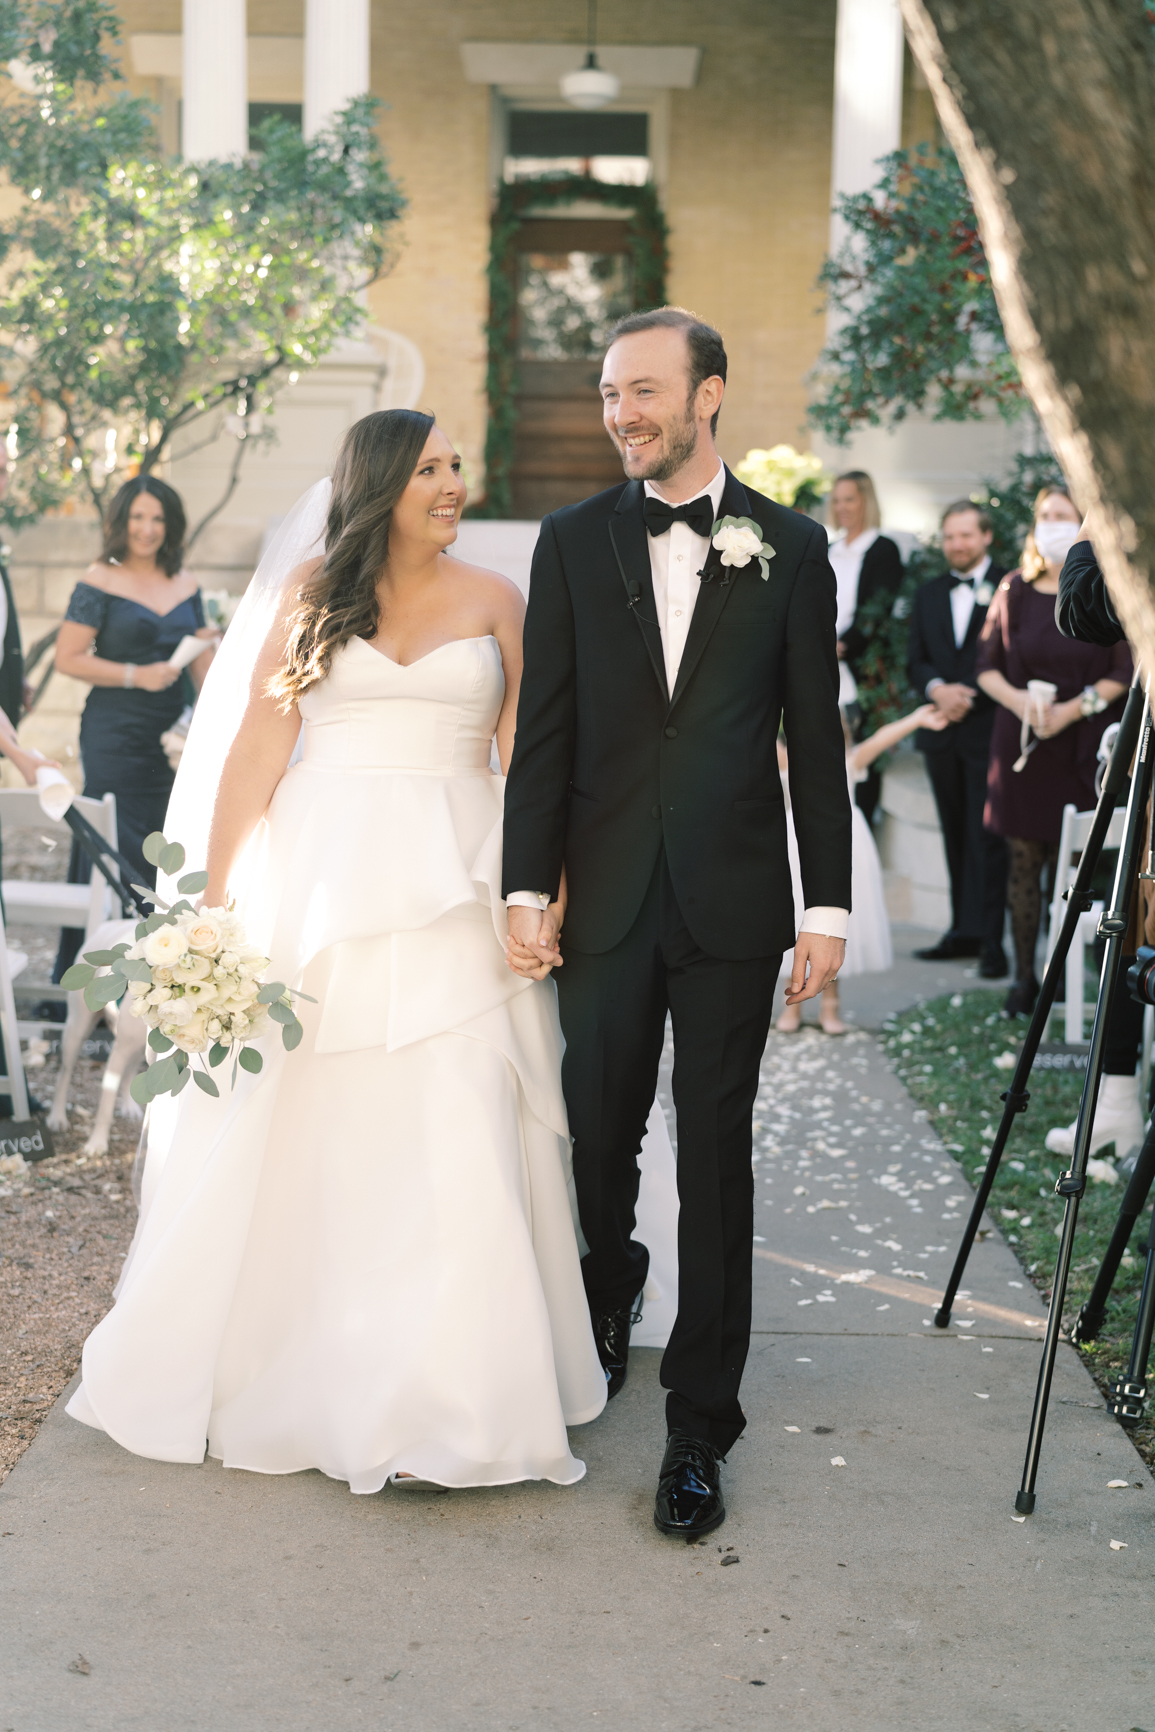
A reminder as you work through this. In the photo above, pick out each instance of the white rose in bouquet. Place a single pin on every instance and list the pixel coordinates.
(203, 931)
(192, 967)
(165, 946)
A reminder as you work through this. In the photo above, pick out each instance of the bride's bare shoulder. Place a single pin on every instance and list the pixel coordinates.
(497, 593)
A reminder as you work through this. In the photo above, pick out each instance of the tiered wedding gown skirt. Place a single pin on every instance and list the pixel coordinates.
(364, 1259)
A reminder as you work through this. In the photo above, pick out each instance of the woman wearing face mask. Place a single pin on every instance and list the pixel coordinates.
(124, 620)
(1029, 783)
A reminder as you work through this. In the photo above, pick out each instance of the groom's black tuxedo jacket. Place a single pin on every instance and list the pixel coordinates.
(608, 765)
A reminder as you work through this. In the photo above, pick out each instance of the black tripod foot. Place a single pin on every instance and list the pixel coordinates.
(1025, 1502)
(1088, 1324)
(942, 1318)
(1128, 1402)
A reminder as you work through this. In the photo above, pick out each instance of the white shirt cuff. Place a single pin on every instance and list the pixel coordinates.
(931, 684)
(828, 922)
(538, 899)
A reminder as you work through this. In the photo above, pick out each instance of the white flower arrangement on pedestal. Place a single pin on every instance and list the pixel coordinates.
(195, 979)
(739, 540)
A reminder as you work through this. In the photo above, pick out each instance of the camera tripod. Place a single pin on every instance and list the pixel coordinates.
(1136, 730)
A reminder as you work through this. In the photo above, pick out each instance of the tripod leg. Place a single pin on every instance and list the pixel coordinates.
(1073, 1183)
(1078, 901)
(1090, 1318)
(1130, 1391)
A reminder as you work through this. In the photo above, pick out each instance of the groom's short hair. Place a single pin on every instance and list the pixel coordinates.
(707, 352)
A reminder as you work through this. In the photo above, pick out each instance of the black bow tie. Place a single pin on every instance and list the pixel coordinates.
(697, 514)
(962, 582)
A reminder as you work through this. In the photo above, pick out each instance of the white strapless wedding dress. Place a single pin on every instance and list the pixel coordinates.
(365, 1259)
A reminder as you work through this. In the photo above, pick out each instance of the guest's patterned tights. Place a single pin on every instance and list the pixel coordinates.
(1025, 896)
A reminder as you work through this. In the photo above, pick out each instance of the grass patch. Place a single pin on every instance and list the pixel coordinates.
(945, 1052)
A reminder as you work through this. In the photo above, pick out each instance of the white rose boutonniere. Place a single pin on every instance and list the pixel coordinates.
(984, 594)
(739, 540)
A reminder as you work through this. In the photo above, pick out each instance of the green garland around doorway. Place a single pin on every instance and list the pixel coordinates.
(646, 232)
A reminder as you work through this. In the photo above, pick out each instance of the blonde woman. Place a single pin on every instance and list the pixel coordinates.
(1020, 641)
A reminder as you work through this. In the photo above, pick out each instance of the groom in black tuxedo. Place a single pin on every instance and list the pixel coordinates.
(655, 681)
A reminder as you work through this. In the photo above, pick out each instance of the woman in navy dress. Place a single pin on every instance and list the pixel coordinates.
(125, 619)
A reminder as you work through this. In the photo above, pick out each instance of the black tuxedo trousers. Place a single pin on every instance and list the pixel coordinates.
(613, 1015)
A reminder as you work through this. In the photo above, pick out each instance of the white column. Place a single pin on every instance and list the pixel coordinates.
(868, 47)
(215, 94)
(336, 58)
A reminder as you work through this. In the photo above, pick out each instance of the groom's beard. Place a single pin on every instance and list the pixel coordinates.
(680, 443)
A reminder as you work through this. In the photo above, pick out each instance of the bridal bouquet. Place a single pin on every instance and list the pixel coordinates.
(195, 979)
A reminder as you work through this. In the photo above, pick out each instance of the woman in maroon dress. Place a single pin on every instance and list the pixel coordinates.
(1021, 642)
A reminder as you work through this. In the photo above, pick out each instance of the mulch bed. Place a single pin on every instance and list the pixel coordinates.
(66, 1223)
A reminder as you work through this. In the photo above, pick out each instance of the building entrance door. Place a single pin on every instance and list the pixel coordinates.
(574, 279)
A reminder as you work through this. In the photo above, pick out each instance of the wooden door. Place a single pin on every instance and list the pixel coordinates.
(573, 280)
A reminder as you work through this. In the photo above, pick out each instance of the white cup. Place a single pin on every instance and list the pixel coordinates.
(1041, 694)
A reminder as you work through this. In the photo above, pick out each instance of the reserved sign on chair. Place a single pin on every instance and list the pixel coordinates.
(28, 1137)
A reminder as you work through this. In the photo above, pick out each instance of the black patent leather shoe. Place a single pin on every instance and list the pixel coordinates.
(612, 1337)
(689, 1499)
(993, 961)
(950, 949)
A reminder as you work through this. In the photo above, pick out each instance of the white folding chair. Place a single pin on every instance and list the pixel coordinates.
(12, 1084)
(1073, 836)
(34, 902)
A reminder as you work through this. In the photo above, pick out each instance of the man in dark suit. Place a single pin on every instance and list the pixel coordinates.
(12, 693)
(946, 622)
(655, 681)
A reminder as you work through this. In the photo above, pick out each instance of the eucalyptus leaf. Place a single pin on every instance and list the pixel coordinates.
(164, 1074)
(142, 929)
(182, 1080)
(140, 1088)
(217, 1053)
(77, 976)
(152, 846)
(171, 858)
(136, 969)
(270, 993)
(105, 989)
(192, 882)
(294, 993)
(149, 895)
(104, 958)
(181, 907)
(206, 1083)
(292, 1034)
(159, 1042)
(251, 1060)
(281, 1013)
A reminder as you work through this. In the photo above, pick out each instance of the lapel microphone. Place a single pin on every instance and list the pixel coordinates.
(634, 590)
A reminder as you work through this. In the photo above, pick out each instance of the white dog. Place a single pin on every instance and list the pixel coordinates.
(126, 1058)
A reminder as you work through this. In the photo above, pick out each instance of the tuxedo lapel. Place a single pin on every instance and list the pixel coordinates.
(714, 591)
(630, 541)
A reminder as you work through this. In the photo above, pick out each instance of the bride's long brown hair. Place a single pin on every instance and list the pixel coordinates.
(374, 466)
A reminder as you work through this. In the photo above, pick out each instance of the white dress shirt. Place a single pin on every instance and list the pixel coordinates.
(846, 557)
(962, 597)
(676, 558)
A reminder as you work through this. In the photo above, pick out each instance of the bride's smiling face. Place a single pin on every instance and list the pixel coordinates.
(430, 508)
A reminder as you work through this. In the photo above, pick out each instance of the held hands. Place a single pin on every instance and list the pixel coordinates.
(817, 960)
(930, 716)
(533, 947)
(955, 701)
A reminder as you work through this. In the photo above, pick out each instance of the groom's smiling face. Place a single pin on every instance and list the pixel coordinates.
(649, 412)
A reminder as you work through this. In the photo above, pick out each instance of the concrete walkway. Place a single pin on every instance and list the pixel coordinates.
(870, 1577)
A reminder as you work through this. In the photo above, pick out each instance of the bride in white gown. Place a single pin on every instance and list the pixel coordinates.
(366, 1259)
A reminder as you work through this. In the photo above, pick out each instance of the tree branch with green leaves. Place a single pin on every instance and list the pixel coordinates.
(140, 296)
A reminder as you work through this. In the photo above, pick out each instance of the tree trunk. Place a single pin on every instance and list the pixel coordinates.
(1050, 108)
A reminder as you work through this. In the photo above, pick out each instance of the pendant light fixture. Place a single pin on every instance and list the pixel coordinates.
(590, 86)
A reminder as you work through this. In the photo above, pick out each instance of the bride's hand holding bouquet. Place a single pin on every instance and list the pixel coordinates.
(195, 979)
